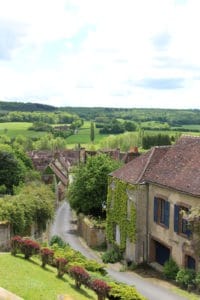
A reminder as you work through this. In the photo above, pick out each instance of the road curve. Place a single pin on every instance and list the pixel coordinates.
(64, 227)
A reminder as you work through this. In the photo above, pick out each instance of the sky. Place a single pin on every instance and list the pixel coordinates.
(101, 53)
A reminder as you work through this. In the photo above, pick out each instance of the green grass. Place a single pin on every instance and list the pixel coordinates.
(192, 127)
(83, 136)
(28, 280)
(189, 296)
(12, 129)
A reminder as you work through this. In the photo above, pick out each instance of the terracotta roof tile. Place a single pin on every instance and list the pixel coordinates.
(176, 166)
(132, 170)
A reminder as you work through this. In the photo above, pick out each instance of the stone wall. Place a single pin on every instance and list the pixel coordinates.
(137, 251)
(178, 244)
(4, 236)
(92, 235)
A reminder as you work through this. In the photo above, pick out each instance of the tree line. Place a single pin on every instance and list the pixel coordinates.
(45, 117)
(174, 117)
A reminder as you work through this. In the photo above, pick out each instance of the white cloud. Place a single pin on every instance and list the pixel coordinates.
(95, 53)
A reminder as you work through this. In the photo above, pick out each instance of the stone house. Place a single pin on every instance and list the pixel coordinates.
(148, 201)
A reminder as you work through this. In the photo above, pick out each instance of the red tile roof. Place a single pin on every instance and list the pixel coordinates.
(176, 167)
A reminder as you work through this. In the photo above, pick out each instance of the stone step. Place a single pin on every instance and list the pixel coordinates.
(6, 295)
(64, 297)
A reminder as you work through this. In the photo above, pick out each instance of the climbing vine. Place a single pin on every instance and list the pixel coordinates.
(118, 212)
(34, 204)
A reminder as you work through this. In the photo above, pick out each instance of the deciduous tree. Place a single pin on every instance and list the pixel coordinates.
(87, 193)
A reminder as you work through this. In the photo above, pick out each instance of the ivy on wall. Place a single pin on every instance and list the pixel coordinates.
(117, 212)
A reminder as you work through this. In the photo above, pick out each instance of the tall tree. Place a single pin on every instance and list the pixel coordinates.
(12, 170)
(92, 132)
(88, 190)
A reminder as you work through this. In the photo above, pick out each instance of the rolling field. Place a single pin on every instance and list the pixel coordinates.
(83, 136)
(12, 129)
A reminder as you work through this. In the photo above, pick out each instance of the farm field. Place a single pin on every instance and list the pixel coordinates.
(12, 129)
(83, 136)
(28, 280)
(192, 127)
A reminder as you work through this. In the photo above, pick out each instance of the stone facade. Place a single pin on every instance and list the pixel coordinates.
(4, 236)
(166, 185)
(136, 251)
(180, 245)
(93, 236)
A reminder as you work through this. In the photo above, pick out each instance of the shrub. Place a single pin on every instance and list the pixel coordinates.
(197, 281)
(101, 288)
(112, 255)
(57, 240)
(185, 277)
(170, 269)
(16, 243)
(60, 265)
(123, 292)
(29, 248)
(76, 258)
(46, 256)
(80, 276)
(25, 246)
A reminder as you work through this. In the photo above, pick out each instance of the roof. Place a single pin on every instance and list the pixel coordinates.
(176, 167)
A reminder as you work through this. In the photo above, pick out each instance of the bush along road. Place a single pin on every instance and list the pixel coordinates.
(64, 226)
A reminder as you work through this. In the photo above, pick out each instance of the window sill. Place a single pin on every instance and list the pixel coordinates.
(162, 225)
(184, 235)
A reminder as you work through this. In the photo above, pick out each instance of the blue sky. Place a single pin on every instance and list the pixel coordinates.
(113, 53)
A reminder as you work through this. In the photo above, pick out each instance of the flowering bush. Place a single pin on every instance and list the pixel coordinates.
(29, 248)
(16, 243)
(101, 288)
(80, 275)
(25, 246)
(46, 256)
(60, 265)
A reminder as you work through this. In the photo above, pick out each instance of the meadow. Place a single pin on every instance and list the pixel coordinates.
(82, 137)
(28, 280)
(12, 129)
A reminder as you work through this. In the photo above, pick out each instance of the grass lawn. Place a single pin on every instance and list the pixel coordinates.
(12, 129)
(83, 136)
(31, 282)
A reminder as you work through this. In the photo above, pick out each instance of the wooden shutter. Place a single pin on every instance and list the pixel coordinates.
(188, 231)
(176, 218)
(155, 209)
(166, 213)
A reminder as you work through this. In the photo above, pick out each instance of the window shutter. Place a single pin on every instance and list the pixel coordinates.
(188, 231)
(166, 214)
(176, 218)
(155, 209)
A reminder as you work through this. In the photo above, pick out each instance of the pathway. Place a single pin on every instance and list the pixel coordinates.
(65, 227)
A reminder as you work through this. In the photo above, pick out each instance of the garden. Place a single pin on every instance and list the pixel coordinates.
(44, 271)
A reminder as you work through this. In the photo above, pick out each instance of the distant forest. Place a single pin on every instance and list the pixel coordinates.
(174, 117)
(26, 107)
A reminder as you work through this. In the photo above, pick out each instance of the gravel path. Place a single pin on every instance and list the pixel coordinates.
(65, 227)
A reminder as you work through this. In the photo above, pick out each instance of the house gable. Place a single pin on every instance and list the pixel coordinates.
(176, 167)
(170, 174)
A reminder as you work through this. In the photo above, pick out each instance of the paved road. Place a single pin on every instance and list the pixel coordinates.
(64, 227)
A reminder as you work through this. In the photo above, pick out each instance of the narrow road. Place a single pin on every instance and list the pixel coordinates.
(64, 227)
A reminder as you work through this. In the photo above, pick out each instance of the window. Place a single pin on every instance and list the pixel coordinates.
(180, 222)
(190, 262)
(161, 211)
